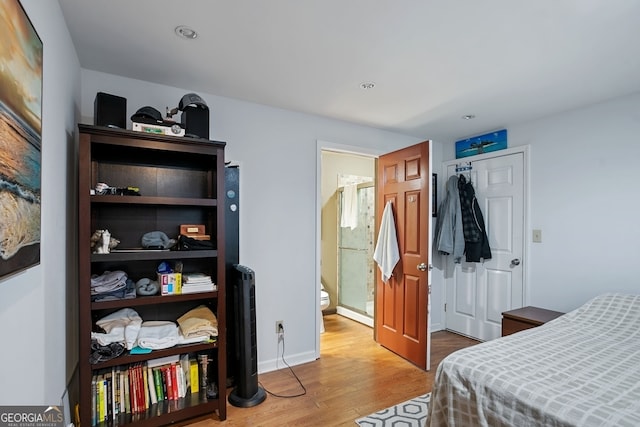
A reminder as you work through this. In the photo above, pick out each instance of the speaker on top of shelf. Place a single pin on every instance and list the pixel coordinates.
(196, 121)
(110, 110)
(247, 392)
(231, 258)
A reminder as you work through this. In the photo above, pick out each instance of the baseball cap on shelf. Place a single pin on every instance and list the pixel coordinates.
(192, 99)
(145, 114)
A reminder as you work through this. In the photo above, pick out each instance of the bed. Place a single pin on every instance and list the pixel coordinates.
(581, 369)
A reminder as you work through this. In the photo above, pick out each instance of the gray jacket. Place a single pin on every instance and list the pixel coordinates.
(449, 237)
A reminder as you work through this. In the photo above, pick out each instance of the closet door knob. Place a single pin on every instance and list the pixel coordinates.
(422, 266)
(515, 262)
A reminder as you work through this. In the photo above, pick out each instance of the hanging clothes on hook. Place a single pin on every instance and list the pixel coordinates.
(476, 242)
(449, 237)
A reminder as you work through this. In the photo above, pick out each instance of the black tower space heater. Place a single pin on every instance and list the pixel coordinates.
(247, 393)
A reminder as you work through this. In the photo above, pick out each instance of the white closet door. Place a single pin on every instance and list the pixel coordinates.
(478, 293)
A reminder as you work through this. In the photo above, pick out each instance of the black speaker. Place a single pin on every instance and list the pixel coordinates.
(196, 121)
(247, 392)
(231, 258)
(110, 110)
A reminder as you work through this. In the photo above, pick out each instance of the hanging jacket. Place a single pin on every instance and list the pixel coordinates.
(449, 237)
(476, 242)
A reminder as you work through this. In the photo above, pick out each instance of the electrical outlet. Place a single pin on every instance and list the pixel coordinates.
(279, 326)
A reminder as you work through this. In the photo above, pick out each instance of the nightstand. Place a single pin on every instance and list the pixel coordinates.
(525, 318)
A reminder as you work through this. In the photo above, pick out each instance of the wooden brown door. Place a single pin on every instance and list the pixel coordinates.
(404, 178)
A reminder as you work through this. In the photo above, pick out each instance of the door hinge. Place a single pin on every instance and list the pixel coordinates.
(445, 307)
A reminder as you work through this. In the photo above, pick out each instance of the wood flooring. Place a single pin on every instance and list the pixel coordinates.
(354, 377)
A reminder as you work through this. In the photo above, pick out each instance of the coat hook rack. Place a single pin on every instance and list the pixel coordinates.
(464, 167)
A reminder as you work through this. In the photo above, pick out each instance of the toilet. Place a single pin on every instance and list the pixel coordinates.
(324, 303)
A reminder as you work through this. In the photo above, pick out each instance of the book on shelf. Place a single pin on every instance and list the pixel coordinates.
(192, 289)
(194, 279)
(135, 388)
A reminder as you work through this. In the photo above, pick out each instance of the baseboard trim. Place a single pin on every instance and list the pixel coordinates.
(292, 360)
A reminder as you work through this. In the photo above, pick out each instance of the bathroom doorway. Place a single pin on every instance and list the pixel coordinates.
(347, 233)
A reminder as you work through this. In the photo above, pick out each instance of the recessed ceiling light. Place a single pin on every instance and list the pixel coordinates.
(186, 32)
(468, 116)
(367, 85)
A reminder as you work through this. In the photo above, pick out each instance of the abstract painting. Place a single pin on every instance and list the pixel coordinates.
(20, 139)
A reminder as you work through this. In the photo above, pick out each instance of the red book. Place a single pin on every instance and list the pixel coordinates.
(174, 378)
(169, 375)
(132, 388)
(136, 394)
(141, 390)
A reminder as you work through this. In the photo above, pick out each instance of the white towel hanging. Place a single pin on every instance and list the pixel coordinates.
(387, 253)
(349, 217)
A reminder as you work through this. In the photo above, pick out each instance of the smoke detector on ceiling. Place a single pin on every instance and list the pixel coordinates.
(186, 32)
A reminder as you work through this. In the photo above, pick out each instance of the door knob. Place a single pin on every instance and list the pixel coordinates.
(422, 266)
(515, 261)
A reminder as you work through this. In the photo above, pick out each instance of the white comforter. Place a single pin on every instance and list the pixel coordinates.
(581, 369)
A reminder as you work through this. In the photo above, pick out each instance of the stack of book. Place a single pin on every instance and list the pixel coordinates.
(132, 389)
(197, 282)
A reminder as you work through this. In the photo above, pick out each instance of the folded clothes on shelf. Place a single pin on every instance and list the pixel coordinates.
(121, 326)
(102, 353)
(157, 334)
(198, 322)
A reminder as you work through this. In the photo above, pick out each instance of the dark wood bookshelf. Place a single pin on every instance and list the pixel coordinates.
(180, 181)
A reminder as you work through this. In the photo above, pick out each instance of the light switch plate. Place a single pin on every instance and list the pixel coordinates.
(537, 236)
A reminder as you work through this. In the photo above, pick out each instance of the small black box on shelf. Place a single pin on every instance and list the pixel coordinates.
(110, 110)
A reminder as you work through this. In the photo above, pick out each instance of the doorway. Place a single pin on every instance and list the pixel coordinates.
(347, 232)
(412, 170)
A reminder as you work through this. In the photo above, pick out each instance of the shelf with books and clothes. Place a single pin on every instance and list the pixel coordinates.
(132, 307)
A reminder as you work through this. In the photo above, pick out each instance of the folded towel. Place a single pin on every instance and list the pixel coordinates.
(192, 340)
(387, 253)
(198, 322)
(158, 334)
(349, 216)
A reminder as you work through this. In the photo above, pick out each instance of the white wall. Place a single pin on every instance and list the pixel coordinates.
(34, 366)
(585, 197)
(277, 152)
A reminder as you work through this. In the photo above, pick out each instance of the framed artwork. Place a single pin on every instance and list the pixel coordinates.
(486, 143)
(20, 139)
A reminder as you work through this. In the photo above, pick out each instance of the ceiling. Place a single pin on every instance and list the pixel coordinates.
(432, 61)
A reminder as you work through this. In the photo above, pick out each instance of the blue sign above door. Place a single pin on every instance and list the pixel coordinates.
(492, 141)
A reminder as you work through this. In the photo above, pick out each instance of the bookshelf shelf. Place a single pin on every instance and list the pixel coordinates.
(152, 255)
(180, 180)
(128, 358)
(167, 412)
(152, 300)
(153, 201)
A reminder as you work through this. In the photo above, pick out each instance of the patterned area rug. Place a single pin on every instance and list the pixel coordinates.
(410, 413)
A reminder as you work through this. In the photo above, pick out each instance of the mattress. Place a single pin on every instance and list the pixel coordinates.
(581, 369)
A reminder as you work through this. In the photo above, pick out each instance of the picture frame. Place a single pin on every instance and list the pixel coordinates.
(492, 141)
(20, 140)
